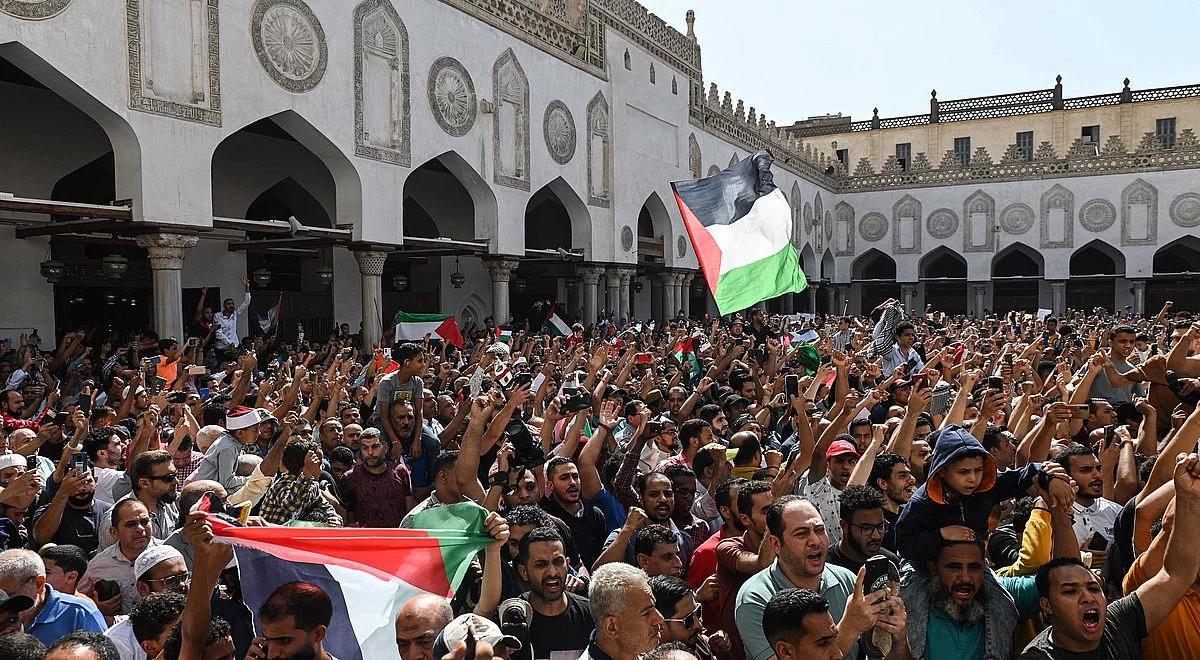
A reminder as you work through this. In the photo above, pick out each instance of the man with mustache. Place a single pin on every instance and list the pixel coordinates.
(1093, 513)
(73, 516)
(378, 492)
(892, 477)
(586, 522)
(562, 621)
(863, 527)
(656, 494)
(947, 599)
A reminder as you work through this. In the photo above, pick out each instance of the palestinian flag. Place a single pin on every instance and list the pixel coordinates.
(685, 352)
(740, 225)
(270, 319)
(504, 334)
(414, 327)
(555, 325)
(368, 573)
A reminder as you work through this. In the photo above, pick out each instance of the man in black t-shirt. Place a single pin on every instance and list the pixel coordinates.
(863, 527)
(561, 622)
(1084, 624)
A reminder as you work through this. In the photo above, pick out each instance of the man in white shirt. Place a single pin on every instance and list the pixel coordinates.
(902, 351)
(1093, 514)
(227, 320)
(106, 449)
(162, 576)
(131, 529)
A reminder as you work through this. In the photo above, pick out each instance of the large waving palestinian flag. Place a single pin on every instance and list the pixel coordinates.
(368, 573)
(740, 224)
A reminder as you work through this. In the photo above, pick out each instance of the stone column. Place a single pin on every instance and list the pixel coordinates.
(686, 288)
(166, 265)
(812, 297)
(370, 266)
(839, 299)
(612, 290)
(589, 277)
(501, 271)
(979, 292)
(1058, 297)
(656, 296)
(1139, 296)
(908, 297)
(669, 303)
(626, 305)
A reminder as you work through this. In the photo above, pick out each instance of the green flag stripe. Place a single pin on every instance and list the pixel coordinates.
(402, 317)
(460, 530)
(747, 285)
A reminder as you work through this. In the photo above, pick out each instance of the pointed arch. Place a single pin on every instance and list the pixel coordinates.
(285, 199)
(979, 222)
(599, 151)
(578, 226)
(694, 158)
(1181, 255)
(828, 266)
(713, 169)
(734, 160)
(843, 229)
(441, 181)
(652, 78)
(873, 265)
(510, 122)
(808, 261)
(942, 263)
(906, 225)
(1139, 214)
(127, 150)
(797, 216)
(1057, 231)
(1097, 258)
(382, 97)
(1018, 260)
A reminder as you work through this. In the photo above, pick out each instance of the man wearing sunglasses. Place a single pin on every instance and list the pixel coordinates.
(158, 569)
(863, 529)
(153, 478)
(676, 601)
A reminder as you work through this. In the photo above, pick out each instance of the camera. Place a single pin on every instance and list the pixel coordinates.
(515, 617)
(528, 452)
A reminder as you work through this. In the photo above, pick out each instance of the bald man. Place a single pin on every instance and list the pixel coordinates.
(188, 497)
(418, 624)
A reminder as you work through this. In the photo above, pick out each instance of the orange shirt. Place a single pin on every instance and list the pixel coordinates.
(1178, 636)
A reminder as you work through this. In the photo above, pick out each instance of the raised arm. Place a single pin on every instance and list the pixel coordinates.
(1160, 594)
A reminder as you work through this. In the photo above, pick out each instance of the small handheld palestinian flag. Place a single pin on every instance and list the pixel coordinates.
(504, 334)
(414, 327)
(740, 225)
(554, 323)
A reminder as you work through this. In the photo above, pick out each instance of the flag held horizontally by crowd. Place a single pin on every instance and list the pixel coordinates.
(740, 225)
(368, 573)
(414, 327)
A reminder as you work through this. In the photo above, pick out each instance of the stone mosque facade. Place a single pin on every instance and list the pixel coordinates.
(474, 157)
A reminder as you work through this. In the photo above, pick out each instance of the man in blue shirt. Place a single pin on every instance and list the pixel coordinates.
(53, 614)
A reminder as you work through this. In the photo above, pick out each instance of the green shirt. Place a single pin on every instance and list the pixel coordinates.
(946, 639)
(837, 586)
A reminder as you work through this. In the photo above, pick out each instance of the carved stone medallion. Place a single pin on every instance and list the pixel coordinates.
(290, 43)
(942, 223)
(33, 10)
(559, 128)
(1016, 219)
(1185, 210)
(1097, 215)
(681, 247)
(873, 227)
(452, 96)
(627, 238)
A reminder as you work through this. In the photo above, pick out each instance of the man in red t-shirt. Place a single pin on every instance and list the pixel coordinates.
(739, 557)
(702, 570)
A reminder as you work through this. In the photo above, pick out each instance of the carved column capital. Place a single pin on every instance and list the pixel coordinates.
(370, 262)
(167, 250)
(501, 269)
(590, 273)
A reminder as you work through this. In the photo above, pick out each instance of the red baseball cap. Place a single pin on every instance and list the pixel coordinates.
(839, 447)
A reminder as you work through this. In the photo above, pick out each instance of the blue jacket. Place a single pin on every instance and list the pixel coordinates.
(934, 506)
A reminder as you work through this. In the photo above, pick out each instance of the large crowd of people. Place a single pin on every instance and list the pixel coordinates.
(902, 484)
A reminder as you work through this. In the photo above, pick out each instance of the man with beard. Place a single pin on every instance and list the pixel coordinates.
(106, 450)
(1084, 624)
(681, 618)
(420, 461)
(863, 527)
(586, 522)
(798, 625)
(656, 495)
(1093, 513)
(522, 520)
(703, 565)
(921, 451)
(796, 532)
(742, 555)
(562, 621)
(131, 532)
(891, 476)
(683, 482)
(72, 516)
(158, 569)
(657, 551)
(947, 600)
(153, 478)
(377, 493)
(294, 620)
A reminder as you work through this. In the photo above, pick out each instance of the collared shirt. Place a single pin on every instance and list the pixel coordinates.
(427, 503)
(63, 614)
(1099, 517)
(895, 358)
(837, 585)
(162, 522)
(220, 464)
(686, 545)
(189, 466)
(112, 564)
(825, 498)
(227, 325)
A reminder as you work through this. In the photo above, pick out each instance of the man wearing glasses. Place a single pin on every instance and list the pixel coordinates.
(863, 528)
(159, 568)
(681, 614)
(152, 476)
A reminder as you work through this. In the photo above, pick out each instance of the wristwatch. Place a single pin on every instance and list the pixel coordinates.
(499, 478)
(1043, 479)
